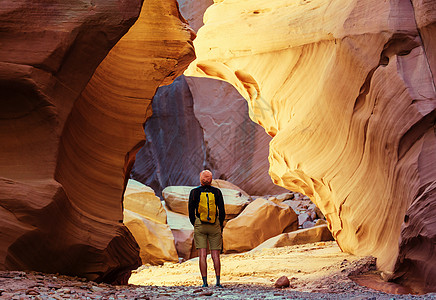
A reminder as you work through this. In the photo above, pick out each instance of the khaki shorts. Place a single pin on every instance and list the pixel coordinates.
(204, 232)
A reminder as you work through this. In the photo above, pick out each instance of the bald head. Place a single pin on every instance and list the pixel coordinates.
(206, 177)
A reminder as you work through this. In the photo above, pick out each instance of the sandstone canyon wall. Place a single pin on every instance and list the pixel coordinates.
(203, 123)
(68, 140)
(346, 89)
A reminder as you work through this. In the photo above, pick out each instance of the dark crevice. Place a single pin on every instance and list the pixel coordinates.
(21, 99)
(339, 215)
(415, 133)
(364, 90)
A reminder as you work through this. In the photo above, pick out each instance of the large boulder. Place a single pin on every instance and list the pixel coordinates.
(183, 233)
(346, 89)
(219, 183)
(177, 198)
(141, 199)
(155, 239)
(260, 220)
(72, 123)
(315, 234)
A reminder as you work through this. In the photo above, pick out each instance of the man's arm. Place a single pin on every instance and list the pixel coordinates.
(191, 207)
(221, 209)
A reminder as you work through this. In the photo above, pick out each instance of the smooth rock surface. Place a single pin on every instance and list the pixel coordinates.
(141, 199)
(40, 217)
(308, 224)
(183, 233)
(260, 220)
(68, 140)
(177, 198)
(346, 89)
(155, 240)
(219, 183)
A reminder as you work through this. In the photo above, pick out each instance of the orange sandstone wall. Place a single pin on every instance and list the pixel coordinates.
(68, 140)
(346, 89)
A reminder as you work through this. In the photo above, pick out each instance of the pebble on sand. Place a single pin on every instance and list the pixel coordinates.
(282, 282)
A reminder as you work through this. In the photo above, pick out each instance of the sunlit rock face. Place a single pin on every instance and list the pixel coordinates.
(203, 123)
(346, 90)
(146, 218)
(155, 239)
(66, 150)
(140, 199)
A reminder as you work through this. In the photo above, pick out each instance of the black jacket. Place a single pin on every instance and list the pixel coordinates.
(194, 199)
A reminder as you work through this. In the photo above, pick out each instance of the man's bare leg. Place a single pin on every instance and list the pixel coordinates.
(217, 265)
(202, 255)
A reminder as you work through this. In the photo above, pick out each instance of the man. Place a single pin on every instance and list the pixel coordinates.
(208, 223)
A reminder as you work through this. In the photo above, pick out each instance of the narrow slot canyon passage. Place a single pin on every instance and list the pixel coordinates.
(316, 118)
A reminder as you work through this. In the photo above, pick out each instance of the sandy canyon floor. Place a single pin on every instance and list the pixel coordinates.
(315, 271)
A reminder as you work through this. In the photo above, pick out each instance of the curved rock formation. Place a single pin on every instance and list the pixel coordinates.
(203, 123)
(65, 159)
(347, 91)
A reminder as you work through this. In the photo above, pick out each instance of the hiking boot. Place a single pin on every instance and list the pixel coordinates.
(205, 285)
(219, 285)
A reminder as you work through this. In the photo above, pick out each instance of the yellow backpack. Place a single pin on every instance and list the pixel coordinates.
(207, 207)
